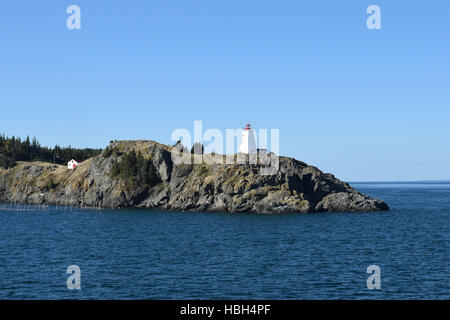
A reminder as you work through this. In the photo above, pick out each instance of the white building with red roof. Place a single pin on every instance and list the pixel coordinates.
(72, 164)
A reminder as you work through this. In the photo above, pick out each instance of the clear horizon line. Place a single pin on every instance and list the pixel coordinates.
(402, 181)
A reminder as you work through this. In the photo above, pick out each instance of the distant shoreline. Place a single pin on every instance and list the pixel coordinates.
(402, 182)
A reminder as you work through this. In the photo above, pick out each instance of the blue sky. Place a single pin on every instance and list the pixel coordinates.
(363, 104)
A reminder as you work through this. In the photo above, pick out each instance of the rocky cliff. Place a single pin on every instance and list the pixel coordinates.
(296, 187)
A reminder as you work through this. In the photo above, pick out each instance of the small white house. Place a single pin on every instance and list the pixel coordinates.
(72, 164)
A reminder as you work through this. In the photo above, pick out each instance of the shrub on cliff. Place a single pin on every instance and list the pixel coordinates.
(50, 185)
(135, 169)
(197, 148)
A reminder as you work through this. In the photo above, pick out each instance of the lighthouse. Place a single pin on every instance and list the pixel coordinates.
(248, 141)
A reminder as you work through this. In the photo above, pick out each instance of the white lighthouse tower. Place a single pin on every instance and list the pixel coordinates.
(248, 141)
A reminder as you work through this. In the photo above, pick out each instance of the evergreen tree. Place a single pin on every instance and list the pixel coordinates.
(197, 148)
(134, 169)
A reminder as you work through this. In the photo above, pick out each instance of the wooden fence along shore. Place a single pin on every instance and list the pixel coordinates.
(14, 206)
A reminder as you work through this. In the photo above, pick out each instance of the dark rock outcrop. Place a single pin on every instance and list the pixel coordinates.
(295, 188)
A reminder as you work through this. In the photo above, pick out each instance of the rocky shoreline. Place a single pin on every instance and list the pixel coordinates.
(295, 188)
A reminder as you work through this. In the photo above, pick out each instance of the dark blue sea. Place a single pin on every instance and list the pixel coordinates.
(144, 254)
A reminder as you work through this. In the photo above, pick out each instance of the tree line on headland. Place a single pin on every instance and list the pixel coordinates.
(14, 149)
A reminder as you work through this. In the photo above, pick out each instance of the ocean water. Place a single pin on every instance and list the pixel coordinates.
(145, 254)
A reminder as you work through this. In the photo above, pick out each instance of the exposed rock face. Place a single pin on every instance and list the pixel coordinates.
(295, 188)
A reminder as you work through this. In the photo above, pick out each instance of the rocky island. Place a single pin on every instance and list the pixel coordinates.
(142, 174)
